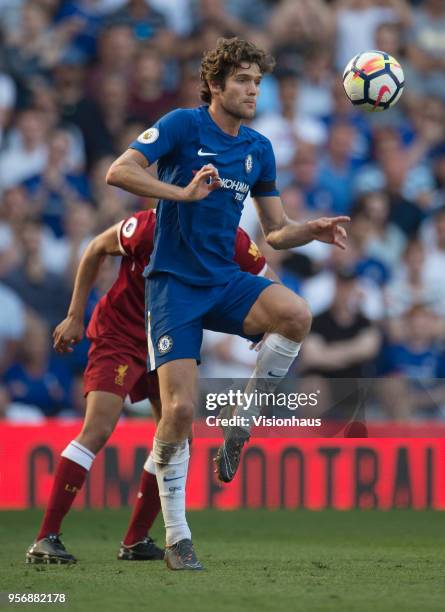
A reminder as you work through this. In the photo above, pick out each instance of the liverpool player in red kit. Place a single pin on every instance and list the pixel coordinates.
(116, 368)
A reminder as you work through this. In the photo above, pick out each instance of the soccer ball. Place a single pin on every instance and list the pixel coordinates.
(373, 80)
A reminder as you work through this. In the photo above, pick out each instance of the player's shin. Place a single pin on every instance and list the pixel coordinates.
(274, 360)
(171, 460)
(73, 467)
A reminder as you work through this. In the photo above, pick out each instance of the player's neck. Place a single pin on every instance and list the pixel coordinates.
(224, 120)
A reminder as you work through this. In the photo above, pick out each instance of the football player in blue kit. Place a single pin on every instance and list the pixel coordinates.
(207, 163)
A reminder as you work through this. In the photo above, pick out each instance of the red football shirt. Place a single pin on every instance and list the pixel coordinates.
(120, 314)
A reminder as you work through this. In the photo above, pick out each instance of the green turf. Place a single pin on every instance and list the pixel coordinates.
(255, 561)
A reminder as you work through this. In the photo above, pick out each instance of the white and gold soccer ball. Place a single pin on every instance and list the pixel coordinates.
(373, 80)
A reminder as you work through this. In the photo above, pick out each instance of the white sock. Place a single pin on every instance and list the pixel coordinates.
(274, 360)
(79, 454)
(172, 462)
(150, 465)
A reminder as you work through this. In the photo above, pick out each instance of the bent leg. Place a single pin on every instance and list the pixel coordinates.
(286, 318)
(102, 413)
(279, 310)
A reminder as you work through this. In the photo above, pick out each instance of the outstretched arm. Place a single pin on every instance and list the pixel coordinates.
(283, 233)
(70, 331)
(128, 172)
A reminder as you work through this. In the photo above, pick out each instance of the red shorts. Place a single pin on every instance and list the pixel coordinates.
(118, 370)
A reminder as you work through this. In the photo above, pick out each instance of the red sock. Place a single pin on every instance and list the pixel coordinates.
(146, 509)
(68, 479)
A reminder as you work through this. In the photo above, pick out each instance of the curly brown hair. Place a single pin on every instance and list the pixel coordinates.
(227, 56)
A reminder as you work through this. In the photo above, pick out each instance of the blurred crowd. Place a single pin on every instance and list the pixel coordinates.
(80, 79)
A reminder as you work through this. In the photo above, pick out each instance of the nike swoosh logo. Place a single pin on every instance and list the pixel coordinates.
(202, 153)
(274, 375)
(383, 90)
(175, 478)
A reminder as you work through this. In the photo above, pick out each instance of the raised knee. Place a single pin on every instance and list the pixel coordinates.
(295, 322)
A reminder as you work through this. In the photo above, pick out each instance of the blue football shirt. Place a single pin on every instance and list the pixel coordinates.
(195, 241)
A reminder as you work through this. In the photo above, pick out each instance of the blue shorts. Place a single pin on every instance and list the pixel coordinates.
(176, 313)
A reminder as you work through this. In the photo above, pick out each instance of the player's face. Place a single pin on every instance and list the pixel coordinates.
(239, 96)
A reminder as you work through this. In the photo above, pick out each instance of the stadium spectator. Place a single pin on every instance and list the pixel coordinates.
(189, 84)
(52, 190)
(411, 285)
(255, 14)
(37, 378)
(426, 48)
(306, 260)
(36, 46)
(389, 38)
(296, 26)
(216, 11)
(26, 150)
(14, 208)
(285, 127)
(305, 178)
(148, 24)
(435, 248)
(148, 97)
(417, 360)
(112, 204)
(343, 111)
(319, 290)
(438, 163)
(78, 109)
(41, 290)
(12, 325)
(357, 22)
(78, 229)
(87, 17)
(337, 168)
(341, 345)
(28, 47)
(383, 241)
(113, 103)
(115, 55)
(315, 92)
(177, 13)
(406, 212)
(7, 102)
(410, 189)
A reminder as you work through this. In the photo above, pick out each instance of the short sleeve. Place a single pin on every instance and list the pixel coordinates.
(266, 182)
(247, 255)
(163, 137)
(136, 234)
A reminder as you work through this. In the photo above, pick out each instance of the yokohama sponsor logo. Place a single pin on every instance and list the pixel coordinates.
(236, 185)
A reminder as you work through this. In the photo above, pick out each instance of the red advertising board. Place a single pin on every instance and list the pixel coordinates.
(313, 473)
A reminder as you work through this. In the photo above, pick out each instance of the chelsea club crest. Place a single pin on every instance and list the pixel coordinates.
(248, 163)
(165, 344)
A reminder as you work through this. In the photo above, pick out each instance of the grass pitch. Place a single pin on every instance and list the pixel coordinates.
(255, 561)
